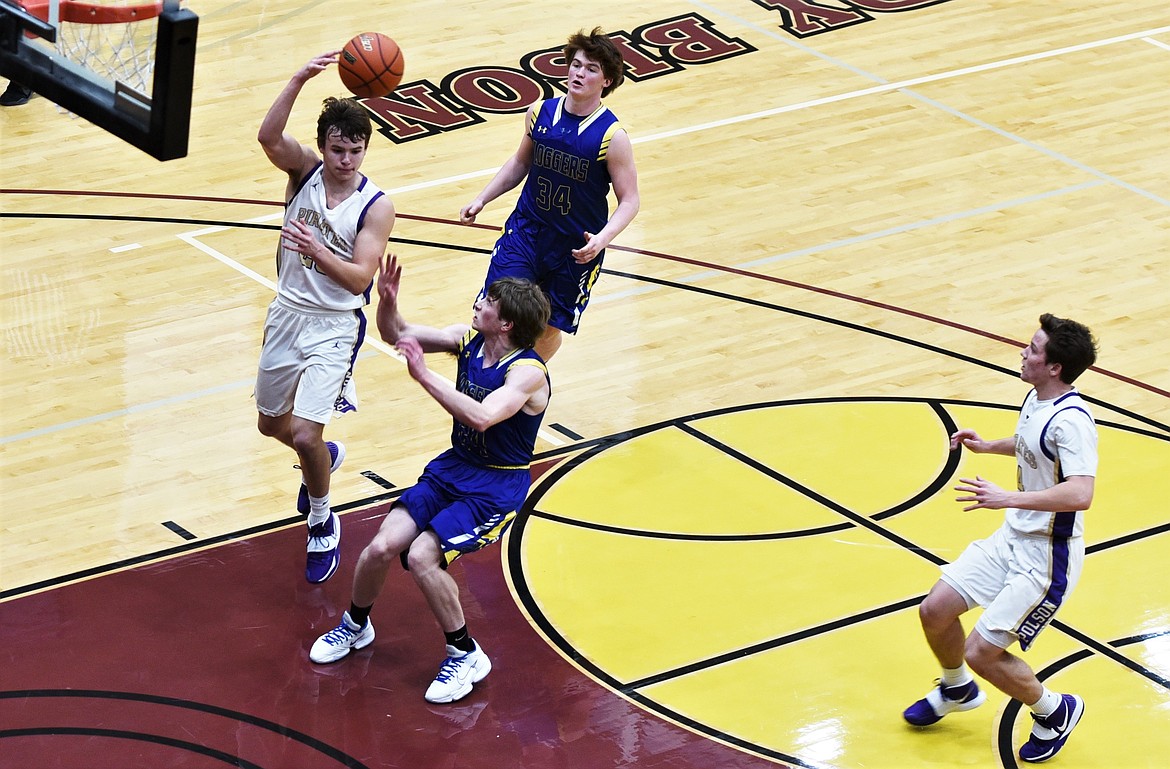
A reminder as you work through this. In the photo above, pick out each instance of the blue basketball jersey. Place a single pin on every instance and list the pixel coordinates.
(509, 444)
(568, 183)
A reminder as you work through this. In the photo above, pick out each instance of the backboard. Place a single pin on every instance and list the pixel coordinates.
(74, 53)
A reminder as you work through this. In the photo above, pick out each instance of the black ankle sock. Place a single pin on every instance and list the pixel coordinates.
(460, 639)
(359, 614)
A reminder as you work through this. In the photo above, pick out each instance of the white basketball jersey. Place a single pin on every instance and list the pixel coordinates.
(1054, 440)
(299, 281)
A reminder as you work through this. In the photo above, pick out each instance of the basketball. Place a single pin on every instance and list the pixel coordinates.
(371, 65)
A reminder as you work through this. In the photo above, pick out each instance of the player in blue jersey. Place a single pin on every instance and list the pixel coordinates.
(1023, 573)
(573, 150)
(467, 496)
(336, 224)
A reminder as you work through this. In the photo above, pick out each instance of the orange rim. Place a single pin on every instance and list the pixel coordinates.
(92, 13)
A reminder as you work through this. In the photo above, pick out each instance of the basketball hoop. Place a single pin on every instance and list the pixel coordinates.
(108, 37)
(127, 66)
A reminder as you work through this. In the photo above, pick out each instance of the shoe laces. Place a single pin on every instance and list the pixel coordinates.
(341, 635)
(450, 666)
(322, 530)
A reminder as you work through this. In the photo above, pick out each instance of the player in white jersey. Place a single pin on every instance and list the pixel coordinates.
(336, 226)
(1022, 573)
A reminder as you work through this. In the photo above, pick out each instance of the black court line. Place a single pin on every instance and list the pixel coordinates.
(692, 288)
(371, 475)
(82, 731)
(183, 533)
(566, 431)
(177, 550)
(633, 689)
(271, 726)
(225, 225)
(643, 252)
(1003, 741)
(1127, 538)
(820, 499)
(886, 335)
(772, 643)
(584, 446)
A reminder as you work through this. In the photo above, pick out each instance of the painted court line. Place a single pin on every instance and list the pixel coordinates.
(884, 87)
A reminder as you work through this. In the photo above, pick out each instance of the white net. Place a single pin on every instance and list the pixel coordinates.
(113, 38)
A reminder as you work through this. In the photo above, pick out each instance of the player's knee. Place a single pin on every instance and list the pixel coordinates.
(304, 441)
(980, 654)
(268, 426)
(381, 550)
(423, 556)
(934, 613)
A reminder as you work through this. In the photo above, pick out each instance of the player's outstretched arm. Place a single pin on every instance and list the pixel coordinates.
(1073, 493)
(393, 327)
(285, 152)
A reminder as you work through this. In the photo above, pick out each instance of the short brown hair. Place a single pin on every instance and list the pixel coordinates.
(345, 116)
(523, 304)
(1070, 344)
(598, 47)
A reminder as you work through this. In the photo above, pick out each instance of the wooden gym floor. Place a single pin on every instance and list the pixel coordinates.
(852, 215)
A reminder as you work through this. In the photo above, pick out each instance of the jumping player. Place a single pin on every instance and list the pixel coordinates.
(469, 494)
(572, 151)
(1023, 573)
(336, 224)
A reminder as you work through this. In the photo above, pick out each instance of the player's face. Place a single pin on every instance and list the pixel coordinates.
(1035, 367)
(342, 157)
(486, 316)
(586, 78)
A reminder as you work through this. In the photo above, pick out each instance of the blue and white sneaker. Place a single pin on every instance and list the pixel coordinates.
(942, 700)
(324, 549)
(337, 454)
(1050, 732)
(341, 640)
(457, 674)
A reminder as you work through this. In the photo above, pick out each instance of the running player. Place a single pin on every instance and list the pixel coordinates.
(469, 494)
(336, 224)
(1024, 572)
(572, 151)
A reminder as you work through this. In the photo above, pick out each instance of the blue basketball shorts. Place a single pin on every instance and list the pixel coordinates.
(467, 506)
(531, 250)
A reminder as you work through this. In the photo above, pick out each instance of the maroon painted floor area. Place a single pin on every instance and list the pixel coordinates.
(201, 661)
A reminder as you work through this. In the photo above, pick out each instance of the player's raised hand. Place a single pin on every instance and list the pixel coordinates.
(318, 64)
(389, 279)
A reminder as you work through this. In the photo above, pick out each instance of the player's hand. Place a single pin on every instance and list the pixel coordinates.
(967, 437)
(984, 494)
(298, 236)
(412, 351)
(318, 64)
(468, 212)
(389, 279)
(588, 252)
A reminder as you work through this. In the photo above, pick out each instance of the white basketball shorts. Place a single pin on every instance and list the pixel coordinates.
(305, 361)
(1020, 580)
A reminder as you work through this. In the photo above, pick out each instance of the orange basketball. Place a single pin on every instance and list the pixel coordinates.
(371, 65)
